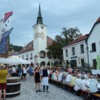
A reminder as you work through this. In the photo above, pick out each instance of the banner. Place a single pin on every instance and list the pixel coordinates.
(3, 43)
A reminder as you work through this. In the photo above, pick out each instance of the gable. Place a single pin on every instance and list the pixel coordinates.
(81, 38)
(30, 45)
(96, 28)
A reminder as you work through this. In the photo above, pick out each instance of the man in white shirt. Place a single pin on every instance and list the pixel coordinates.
(77, 84)
(93, 86)
(60, 76)
(83, 84)
(68, 78)
(13, 71)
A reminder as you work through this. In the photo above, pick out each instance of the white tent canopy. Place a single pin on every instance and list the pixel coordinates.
(2, 60)
(14, 60)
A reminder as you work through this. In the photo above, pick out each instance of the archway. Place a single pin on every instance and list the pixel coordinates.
(56, 63)
(42, 63)
(42, 54)
(49, 54)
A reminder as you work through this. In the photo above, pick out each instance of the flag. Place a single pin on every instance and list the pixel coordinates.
(1, 25)
(7, 15)
(1, 20)
(5, 22)
(3, 43)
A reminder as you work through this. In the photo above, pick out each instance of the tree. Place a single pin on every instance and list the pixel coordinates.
(67, 35)
(70, 34)
(15, 47)
(55, 49)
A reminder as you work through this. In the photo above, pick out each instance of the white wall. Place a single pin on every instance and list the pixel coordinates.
(94, 38)
(40, 37)
(78, 54)
(40, 40)
(25, 56)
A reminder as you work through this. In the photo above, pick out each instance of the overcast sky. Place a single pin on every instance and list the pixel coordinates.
(56, 15)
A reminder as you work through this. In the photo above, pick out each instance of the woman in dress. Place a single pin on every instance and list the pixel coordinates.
(37, 79)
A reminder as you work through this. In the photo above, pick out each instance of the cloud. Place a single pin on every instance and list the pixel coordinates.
(56, 15)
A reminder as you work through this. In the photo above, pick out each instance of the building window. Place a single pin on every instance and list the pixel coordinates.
(27, 57)
(94, 63)
(82, 62)
(42, 27)
(42, 54)
(67, 62)
(93, 47)
(22, 56)
(66, 53)
(73, 50)
(82, 48)
(31, 56)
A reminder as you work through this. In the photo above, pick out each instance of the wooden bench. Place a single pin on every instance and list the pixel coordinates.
(57, 83)
(70, 88)
(97, 95)
(61, 84)
(86, 93)
(67, 87)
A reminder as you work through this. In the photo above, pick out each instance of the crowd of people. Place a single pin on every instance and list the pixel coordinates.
(84, 81)
(12, 71)
(20, 71)
(79, 80)
(39, 74)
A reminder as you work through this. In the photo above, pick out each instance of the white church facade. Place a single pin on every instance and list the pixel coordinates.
(36, 51)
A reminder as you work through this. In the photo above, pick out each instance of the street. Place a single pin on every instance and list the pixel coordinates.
(55, 93)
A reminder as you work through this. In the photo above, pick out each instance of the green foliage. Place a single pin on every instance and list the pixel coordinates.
(15, 47)
(55, 50)
(67, 35)
(70, 34)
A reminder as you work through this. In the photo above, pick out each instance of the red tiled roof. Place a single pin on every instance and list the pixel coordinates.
(49, 41)
(81, 38)
(30, 47)
(98, 20)
(7, 15)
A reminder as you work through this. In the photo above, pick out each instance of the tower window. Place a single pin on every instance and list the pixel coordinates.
(42, 27)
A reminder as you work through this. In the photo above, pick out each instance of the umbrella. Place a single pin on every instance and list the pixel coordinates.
(98, 62)
(2, 60)
(16, 60)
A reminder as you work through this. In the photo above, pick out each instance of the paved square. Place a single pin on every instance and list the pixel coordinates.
(55, 93)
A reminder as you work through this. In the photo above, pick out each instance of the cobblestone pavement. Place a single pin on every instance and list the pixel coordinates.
(55, 93)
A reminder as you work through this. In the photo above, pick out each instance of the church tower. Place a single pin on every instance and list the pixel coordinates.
(40, 37)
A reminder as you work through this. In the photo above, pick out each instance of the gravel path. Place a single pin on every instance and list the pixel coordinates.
(55, 93)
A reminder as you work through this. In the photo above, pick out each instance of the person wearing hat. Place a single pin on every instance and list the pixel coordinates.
(3, 75)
